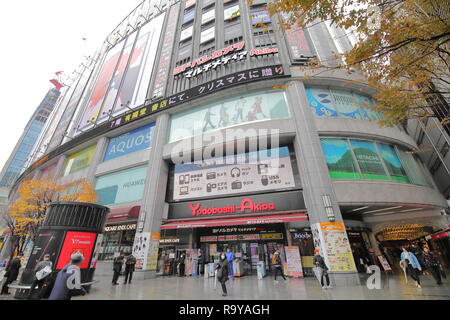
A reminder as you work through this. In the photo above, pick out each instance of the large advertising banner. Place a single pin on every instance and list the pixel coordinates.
(98, 94)
(141, 249)
(75, 241)
(256, 171)
(79, 160)
(133, 141)
(121, 187)
(332, 241)
(153, 251)
(294, 262)
(135, 84)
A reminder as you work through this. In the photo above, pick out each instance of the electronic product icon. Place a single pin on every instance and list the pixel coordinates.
(184, 191)
(184, 179)
(263, 168)
(210, 186)
(264, 180)
(235, 172)
(210, 175)
(236, 185)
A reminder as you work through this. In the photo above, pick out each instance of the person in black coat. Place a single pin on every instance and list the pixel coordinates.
(12, 272)
(222, 272)
(117, 267)
(181, 265)
(129, 268)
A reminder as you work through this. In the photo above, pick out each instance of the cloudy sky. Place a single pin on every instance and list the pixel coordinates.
(40, 38)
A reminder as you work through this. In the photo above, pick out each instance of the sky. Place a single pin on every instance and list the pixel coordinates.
(40, 38)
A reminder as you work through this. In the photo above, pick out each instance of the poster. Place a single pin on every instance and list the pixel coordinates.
(294, 262)
(335, 246)
(140, 249)
(384, 263)
(82, 242)
(152, 258)
(97, 247)
(250, 172)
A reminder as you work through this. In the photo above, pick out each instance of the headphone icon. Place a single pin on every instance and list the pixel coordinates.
(235, 172)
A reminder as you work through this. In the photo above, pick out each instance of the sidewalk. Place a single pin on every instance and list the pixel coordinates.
(250, 288)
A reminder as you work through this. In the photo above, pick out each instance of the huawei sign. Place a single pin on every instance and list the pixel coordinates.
(246, 204)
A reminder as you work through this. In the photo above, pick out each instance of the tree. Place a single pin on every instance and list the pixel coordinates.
(402, 47)
(26, 214)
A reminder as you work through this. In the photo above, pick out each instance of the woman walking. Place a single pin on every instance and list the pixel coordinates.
(412, 265)
(222, 272)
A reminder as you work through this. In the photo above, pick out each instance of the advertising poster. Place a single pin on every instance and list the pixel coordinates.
(384, 263)
(82, 242)
(334, 240)
(97, 248)
(121, 187)
(153, 251)
(98, 94)
(79, 160)
(339, 159)
(140, 249)
(132, 141)
(368, 160)
(231, 13)
(255, 171)
(227, 113)
(137, 77)
(294, 262)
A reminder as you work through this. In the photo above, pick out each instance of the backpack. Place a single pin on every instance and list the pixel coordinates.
(274, 259)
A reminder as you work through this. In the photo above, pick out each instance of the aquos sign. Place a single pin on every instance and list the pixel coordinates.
(220, 58)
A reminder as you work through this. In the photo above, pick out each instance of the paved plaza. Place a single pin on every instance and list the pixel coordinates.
(251, 288)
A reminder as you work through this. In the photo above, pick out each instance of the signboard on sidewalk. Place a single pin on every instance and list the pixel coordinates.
(294, 262)
(384, 263)
(140, 249)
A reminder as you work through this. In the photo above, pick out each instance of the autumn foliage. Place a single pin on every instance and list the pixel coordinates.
(402, 48)
(26, 214)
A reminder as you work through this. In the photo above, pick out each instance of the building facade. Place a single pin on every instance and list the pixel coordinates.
(201, 127)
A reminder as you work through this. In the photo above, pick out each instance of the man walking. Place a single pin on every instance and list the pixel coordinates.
(432, 263)
(129, 268)
(117, 267)
(12, 272)
(276, 262)
(319, 262)
(42, 271)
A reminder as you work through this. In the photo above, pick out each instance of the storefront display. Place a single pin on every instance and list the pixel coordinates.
(117, 238)
(250, 172)
(248, 108)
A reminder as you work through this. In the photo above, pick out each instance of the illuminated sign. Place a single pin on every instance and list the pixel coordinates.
(168, 240)
(246, 204)
(120, 227)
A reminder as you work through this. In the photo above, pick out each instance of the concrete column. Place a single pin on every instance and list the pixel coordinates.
(313, 169)
(153, 203)
(59, 172)
(97, 159)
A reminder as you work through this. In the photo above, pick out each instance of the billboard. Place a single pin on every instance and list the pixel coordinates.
(132, 141)
(244, 173)
(75, 241)
(135, 82)
(79, 160)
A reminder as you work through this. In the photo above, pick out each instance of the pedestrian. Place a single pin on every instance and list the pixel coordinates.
(230, 258)
(201, 262)
(181, 265)
(129, 268)
(222, 272)
(68, 281)
(12, 272)
(413, 266)
(319, 262)
(42, 272)
(432, 264)
(276, 262)
(117, 268)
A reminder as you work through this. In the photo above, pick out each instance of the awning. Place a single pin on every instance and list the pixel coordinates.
(236, 221)
(125, 213)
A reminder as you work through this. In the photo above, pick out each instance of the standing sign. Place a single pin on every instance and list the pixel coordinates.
(250, 172)
(152, 258)
(332, 239)
(294, 262)
(97, 247)
(140, 249)
(384, 263)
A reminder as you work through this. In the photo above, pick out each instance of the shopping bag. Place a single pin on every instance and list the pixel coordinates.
(41, 274)
(318, 273)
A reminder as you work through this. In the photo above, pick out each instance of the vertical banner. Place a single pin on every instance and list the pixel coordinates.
(384, 263)
(334, 246)
(96, 251)
(294, 262)
(153, 251)
(98, 94)
(162, 73)
(140, 249)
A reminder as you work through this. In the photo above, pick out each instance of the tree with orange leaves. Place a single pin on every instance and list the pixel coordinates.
(25, 215)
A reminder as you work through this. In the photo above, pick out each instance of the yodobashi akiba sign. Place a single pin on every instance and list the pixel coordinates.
(220, 58)
(247, 205)
(253, 204)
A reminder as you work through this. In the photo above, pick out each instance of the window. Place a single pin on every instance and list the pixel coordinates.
(339, 159)
(368, 160)
(393, 163)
